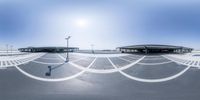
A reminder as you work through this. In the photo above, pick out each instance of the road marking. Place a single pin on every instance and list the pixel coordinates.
(64, 59)
(115, 69)
(55, 80)
(155, 80)
(161, 63)
(151, 80)
(101, 71)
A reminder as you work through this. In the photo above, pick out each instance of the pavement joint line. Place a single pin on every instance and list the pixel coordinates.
(161, 63)
(46, 63)
(124, 59)
(132, 57)
(155, 58)
(135, 58)
(72, 60)
(49, 58)
(79, 59)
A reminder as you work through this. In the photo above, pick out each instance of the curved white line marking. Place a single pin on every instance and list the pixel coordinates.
(151, 80)
(155, 80)
(107, 71)
(155, 63)
(54, 80)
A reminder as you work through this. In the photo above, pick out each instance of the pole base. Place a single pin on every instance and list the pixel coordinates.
(67, 60)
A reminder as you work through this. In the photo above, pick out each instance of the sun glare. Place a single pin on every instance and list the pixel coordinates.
(82, 23)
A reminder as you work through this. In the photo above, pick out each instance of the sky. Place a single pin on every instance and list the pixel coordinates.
(106, 24)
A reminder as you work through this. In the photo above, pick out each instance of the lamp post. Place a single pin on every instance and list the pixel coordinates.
(11, 47)
(7, 49)
(92, 47)
(67, 58)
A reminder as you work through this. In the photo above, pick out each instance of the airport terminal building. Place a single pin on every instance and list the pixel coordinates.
(152, 48)
(49, 49)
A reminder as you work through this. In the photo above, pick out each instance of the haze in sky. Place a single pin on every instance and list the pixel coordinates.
(106, 24)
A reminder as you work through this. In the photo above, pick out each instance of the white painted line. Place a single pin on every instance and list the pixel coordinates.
(161, 63)
(155, 80)
(12, 62)
(15, 61)
(107, 71)
(191, 63)
(54, 80)
(6, 63)
(64, 59)
(151, 80)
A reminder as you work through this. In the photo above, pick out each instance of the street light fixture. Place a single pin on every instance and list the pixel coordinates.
(67, 58)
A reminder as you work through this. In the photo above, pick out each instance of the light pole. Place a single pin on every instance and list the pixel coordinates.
(7, 49)
(92, 47)
(67, 58)
(11, 47)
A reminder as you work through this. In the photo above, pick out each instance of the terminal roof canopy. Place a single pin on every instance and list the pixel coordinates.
(154, 46)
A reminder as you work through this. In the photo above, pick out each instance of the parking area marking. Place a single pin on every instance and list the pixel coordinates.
(161, 63)
(150, 80)
(18, 60)
(32, 58)
(55, 80)
(106, 71)
(183, 61)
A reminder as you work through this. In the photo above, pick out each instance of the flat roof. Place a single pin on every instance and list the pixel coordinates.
(154, 46)
(49, 48)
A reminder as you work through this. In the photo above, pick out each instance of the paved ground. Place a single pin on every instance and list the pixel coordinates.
(125, 77)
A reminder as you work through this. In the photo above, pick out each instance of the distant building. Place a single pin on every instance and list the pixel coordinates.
(152, 48)
(49, 49)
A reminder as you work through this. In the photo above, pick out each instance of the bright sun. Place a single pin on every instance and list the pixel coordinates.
(82, 23)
